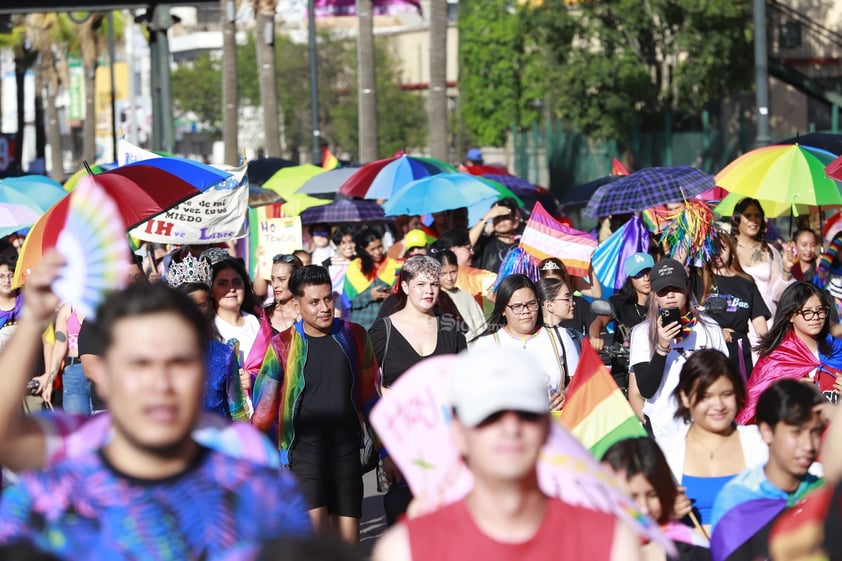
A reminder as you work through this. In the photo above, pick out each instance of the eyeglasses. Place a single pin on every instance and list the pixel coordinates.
(531, 306)
(810, 315)
(525, 416)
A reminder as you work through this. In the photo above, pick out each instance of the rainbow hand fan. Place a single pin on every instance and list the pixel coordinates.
(93, 240)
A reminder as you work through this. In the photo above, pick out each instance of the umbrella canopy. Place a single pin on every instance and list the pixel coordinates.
(824, 141)
(445, 191)
(510, 181)
(71, 182)
(771, 209)
(344, 211)
(36, 192)
(583, 193)
(381, 179)
(298, 203)
(139, 190)
(327, 183)
(258, 196)
(646, 188)
(258, 171)
(789, 174)
(485, 169)
(286, 181)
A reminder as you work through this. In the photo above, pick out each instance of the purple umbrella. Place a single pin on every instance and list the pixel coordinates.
(510, 181)
(344, 211)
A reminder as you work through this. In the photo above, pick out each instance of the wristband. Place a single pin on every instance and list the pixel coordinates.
(658, 347)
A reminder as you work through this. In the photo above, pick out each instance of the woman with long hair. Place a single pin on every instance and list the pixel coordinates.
(760, 260)
(238, 317)
(466, 304)
(554, 268)
(557, 305)
(283, 312)
(662, 343)
(797, 346)
(711, 448)
(369, 279)
(516, 323)
(724, 278)
(223, 392)
(642, 472)
(630, 303)
(804, 244)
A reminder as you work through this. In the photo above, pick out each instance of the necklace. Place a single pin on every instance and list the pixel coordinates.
(710, 452)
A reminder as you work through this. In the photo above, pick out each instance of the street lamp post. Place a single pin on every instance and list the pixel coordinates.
(761, 73)
(316, 153)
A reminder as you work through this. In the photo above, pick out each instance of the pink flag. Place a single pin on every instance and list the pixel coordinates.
(544, 236)
(413, 422)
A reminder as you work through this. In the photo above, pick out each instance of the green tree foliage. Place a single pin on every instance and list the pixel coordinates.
(402, 114)
(599, 63)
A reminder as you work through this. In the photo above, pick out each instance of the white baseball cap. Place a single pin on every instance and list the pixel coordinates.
(492, 381)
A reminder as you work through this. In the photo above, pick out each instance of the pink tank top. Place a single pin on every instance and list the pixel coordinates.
(73, 327)
(567, 532)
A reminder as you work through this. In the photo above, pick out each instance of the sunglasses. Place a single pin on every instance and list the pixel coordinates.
(525, 416)
(286, 258)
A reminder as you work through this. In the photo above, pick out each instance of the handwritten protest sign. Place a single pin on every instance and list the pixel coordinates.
(274, 236)
(413, 422)
(214, 216)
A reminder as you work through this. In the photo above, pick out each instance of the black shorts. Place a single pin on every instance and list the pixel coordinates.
(329, 478)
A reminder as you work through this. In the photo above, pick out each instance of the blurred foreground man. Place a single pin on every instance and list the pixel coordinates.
(152, 492)
(500, 423)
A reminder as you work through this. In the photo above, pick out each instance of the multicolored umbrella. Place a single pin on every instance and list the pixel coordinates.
(789, 174)
(824, 141)
(286, 181)
(41, 191)
(71, 182)
(343, 211)
(140, 191)
(772, 209)
(445, 191)
(646, 188)
(383, 178)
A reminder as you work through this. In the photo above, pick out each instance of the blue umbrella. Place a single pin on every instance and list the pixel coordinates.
(647, 188)
(437, 193)
(39, 192)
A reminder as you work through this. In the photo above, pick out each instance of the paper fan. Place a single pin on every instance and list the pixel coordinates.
(93, 241)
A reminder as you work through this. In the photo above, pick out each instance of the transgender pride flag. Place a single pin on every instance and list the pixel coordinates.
(544, 236)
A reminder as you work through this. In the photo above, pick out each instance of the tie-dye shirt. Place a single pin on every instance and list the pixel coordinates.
(219, 509)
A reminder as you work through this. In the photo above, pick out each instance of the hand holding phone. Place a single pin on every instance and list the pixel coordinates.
(669, 316)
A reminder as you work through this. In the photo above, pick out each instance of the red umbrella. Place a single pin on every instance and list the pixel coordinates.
(140, 191)
(485, 169)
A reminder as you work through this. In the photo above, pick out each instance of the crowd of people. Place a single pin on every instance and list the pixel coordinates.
(210, 413)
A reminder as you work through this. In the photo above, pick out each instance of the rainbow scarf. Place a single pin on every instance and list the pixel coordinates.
(688, 322)
(356, 282)
(280, 382)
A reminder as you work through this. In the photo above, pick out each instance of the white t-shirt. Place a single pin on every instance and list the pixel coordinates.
(246, 334)
(544, 350)
(661, 407)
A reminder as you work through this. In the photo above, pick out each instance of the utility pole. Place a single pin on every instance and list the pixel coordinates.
(367, 78)
(316, 152)
(761, 73)
(163, 133)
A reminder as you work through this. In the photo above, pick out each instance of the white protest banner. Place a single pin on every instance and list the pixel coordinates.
(274, 236)
(217, 215)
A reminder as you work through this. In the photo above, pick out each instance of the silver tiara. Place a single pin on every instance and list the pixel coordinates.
(189, 270)
(550, 266)
(214, 255)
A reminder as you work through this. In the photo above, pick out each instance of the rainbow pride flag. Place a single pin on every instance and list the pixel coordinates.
(329, 161)
(544, 236)
(596, 411)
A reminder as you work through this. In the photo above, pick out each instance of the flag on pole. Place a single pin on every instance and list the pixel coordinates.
(617, 168)
(544, 236)
(329, 161)
(596, 411)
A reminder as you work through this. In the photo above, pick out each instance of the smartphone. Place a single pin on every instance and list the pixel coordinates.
(670, 315)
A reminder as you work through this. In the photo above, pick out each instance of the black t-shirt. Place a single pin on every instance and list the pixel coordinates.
(628, 315)
(490, 252)
(90, 345)
(744, 302)
(326, 416)
(402, 356)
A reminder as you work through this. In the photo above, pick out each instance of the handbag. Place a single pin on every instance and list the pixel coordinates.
(369, 456)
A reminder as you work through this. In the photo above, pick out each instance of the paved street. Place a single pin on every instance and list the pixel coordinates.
(373, 522)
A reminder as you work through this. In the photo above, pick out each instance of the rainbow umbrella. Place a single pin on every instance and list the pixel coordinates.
(36, 192)
(789, 174)
(71, 182)
(287, 181)
(140, 191)
(382, 178)
(772, 209)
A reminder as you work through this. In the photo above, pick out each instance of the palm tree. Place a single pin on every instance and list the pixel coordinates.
(91, 44)
(264, 11)
(367, 82)
(44, 34)
(439, 144)
(230, 95)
